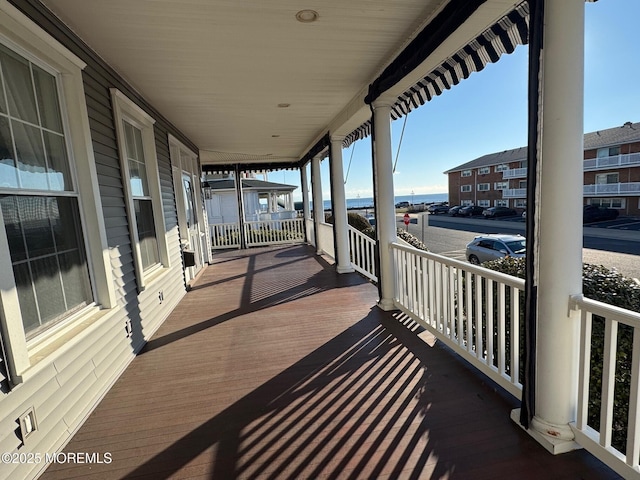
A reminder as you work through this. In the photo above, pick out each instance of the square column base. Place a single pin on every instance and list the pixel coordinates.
(348, 269)
(552, 445)
(387, 305)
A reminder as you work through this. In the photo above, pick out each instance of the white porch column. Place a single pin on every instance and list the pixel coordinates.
(304, 179)
(558, 247)
(385, 202)
(318, 206)
(340, 222)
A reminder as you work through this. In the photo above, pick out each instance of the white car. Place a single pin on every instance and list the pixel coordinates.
(485, 248)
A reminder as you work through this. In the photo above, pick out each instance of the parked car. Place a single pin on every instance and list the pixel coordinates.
(593, 213)
(371, 219)
(485, 248)
(494, 212)
(470, 211)
(438, 208)
(453, 211)
(402, 204)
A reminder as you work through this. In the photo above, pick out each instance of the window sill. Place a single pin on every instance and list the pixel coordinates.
(62, 335)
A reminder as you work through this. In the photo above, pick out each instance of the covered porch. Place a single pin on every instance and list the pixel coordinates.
(275, 366)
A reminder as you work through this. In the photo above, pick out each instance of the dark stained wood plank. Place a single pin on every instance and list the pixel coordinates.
(273, 366)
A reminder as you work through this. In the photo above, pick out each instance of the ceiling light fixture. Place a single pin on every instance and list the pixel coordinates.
(284, 105)
(307, 16)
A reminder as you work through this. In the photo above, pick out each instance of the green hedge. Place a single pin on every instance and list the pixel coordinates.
(607, 286)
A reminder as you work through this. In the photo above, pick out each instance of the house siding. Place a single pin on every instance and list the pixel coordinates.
(65, 385)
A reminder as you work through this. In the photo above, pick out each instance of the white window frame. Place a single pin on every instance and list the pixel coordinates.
(521, 203)
(466, 188)
(608, 202)
(484, 170)
(484, 187)
(21, 35)
(466, 173)
(464, 203)
(501, 203)
(484, 203)
(501, 168)
(501, 185)
(605, 176)
(127, 110)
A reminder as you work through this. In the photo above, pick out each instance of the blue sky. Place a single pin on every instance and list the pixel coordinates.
(487, 112)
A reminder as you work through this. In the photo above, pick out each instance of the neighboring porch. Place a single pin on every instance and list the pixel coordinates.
(275, 366)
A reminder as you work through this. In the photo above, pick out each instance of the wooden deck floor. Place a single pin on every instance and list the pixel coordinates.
(273, 366)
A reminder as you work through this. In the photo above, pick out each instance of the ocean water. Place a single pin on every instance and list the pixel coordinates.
(367, 202)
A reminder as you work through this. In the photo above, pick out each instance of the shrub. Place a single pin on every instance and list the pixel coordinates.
(607, 286)
(356, 220)
(411, 240)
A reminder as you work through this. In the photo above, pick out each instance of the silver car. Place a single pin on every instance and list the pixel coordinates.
(485, 248)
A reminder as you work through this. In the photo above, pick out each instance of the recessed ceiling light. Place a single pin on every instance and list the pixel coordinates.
(275, 136)
(307, 16)
(284, 105)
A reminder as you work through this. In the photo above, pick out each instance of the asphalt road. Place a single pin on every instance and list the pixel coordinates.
(449, 236)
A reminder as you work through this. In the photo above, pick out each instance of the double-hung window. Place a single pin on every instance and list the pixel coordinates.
(142, 187)
(53, 250)
(38, 198)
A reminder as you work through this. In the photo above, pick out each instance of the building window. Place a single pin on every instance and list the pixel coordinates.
(522, 184)
(520, 203)
(484, 187)
(464, 203)
(501, 168)
(484, 203)
(484, 170)
(501, 203)
(500, 185)
(608, 202)
(466, 173)
(142, 186)
(465, 188)
(522, 164)
(607, 178)
(39, 203)
(608, 152)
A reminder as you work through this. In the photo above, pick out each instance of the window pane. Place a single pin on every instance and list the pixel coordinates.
(48, 287)
(75, 279)
(30, 153)
(146, 233)
(17, 80)
(48, 104)
(59, 175)
(26, 298)
(8, 172)
(131, 143)
(36, 224)
(11, 221)
(65, 223)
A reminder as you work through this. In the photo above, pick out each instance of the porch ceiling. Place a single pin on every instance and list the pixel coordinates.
(218, 69)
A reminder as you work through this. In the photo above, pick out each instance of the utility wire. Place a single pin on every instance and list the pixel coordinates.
(395, 164)
(353, 149)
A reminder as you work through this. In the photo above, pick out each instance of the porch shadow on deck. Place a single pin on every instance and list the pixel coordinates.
(273, 366)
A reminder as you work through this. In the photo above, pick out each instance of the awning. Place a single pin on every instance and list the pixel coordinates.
(502, 37)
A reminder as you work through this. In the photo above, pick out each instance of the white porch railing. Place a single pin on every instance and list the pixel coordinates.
(624, 160)
(514, 173)
(514, 193)
(274, 232)
(325, 239)
(475, 311)
(632, 188)
(363, 251)
(621, 327)
(224, 235)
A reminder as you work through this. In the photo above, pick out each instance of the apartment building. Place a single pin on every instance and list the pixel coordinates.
(611, 174)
